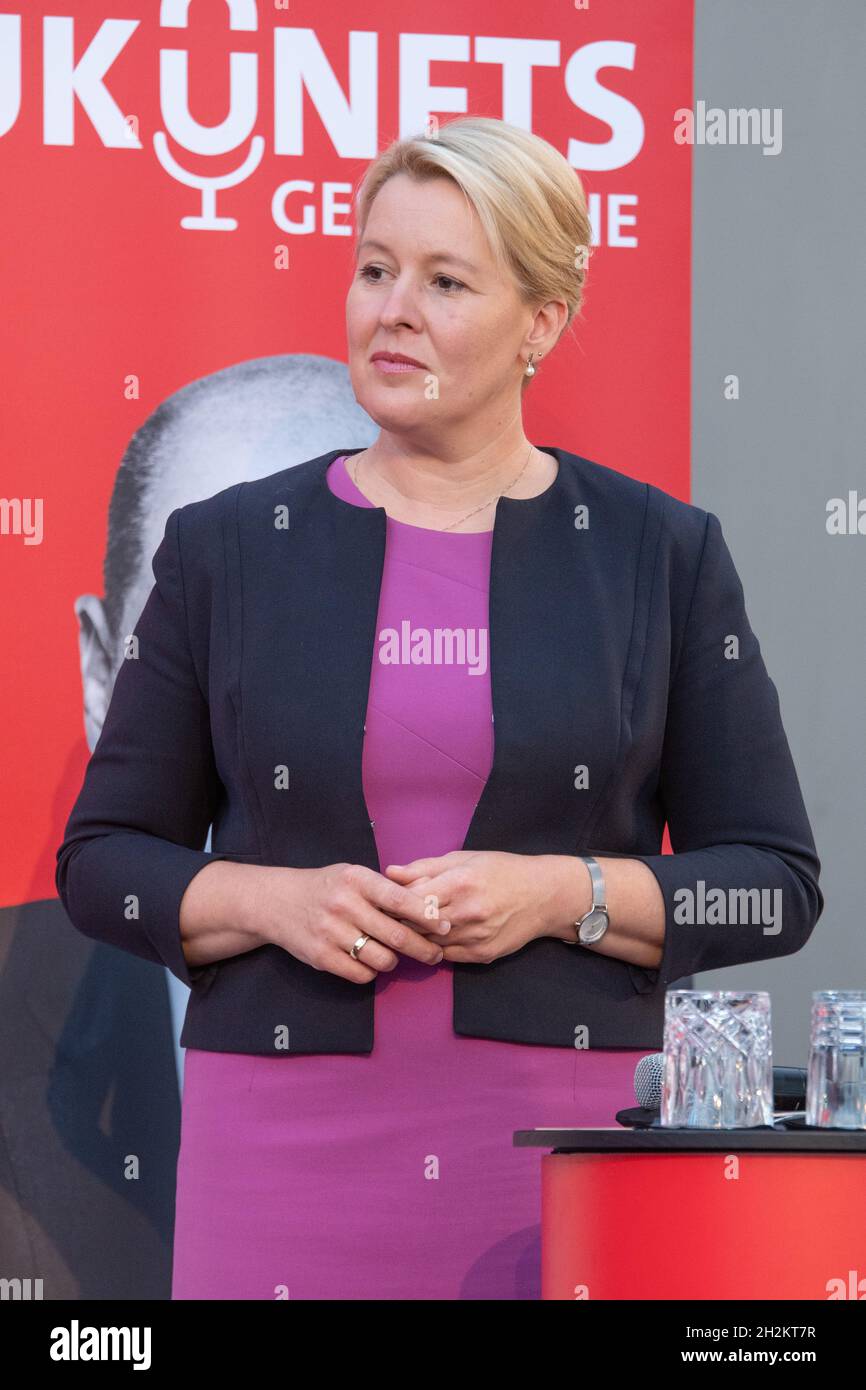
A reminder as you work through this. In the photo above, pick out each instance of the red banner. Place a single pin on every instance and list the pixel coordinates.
(178, 182)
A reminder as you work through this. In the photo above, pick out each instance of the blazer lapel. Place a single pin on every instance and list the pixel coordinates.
(553, 670)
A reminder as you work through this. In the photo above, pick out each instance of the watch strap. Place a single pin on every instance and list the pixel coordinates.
(597, 877)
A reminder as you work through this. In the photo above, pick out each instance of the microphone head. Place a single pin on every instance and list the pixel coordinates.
(648, 1081)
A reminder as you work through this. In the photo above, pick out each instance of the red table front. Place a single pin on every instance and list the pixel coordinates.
(754, 1218)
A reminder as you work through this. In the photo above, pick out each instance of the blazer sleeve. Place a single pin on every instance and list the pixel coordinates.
(734, 807)
(134, 838)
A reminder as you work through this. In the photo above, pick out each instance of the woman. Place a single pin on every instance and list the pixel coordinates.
(319, 666)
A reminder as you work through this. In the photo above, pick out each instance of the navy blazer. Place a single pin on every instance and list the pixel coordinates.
(610, 606)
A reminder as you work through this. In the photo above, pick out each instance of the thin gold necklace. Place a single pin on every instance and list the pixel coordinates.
(460, 521)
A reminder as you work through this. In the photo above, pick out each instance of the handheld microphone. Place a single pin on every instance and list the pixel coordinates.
(789, 1092)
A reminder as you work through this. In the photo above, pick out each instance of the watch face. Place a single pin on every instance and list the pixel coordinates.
(593, 926)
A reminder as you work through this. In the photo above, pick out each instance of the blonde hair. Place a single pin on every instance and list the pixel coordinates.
(530, 201)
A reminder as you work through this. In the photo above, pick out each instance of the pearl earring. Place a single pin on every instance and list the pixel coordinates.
(530, 370)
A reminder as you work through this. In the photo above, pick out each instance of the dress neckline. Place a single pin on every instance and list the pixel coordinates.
(364, 501)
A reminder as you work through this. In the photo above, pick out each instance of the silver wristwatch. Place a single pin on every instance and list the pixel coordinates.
(593, 924)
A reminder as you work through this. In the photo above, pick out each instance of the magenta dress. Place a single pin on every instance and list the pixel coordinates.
(390, 1175)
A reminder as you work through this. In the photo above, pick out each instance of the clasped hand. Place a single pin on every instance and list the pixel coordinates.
(495, 902)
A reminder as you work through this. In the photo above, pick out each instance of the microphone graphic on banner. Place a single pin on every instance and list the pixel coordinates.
(209, 140)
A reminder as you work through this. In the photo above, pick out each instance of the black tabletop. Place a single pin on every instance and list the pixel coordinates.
(791, 1136)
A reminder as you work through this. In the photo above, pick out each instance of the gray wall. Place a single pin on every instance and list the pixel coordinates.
(779, 291)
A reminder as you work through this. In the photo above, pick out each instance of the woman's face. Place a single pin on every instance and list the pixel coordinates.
(426, 285)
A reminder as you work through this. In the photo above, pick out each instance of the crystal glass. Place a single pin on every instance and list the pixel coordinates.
(718, 1059)
(836, 1087)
